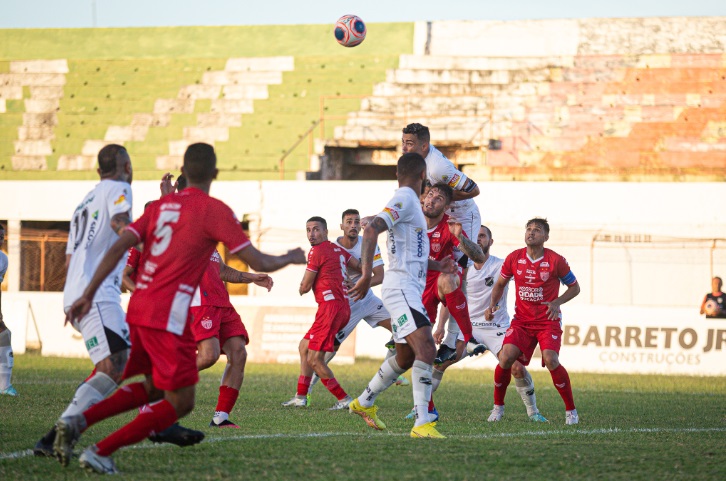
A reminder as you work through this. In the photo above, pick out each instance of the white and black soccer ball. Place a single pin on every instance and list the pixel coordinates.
(712, 308)
(350, 30)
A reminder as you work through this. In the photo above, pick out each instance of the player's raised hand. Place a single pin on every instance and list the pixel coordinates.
(454, 227)
(439, 333)
(553, 310)
(360, 289)
(297, 255)
(262, 280)
(166, 187)
(365, 221)
(78, 309)
(448, 266)
(489, 313)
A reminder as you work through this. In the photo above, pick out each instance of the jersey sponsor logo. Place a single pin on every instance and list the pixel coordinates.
(206, 323)
(544, 275)
(436, 235)
(402, 320)
(545, 264)
(121, 199)
(376, 257)
(419, 242)
(95, 215)
(560, 386)
(398, 205)
(461, 307)
(489, 281)
(521, 261)
(91, 343)
(436, 247)
(454, 180)
(392, 213)
(531, 294)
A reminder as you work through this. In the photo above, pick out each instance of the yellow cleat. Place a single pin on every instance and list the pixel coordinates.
(427, 430)
(369, 415)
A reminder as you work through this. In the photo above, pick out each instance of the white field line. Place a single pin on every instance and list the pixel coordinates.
(567, 432)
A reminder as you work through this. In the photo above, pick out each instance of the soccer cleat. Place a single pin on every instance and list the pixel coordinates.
(93, 462)
(433, 415)
(179, 435)
(402, 381)
(445, 353)
(427, 430)
(224, 424)
(297, 402)
(571, 417)
(342, 404)
(538, 418)
(308, 398)
(369, 415)
(391, 345)
(496, 414)
(474, 348)
(68, 431)
(44, 446)
(9, 391)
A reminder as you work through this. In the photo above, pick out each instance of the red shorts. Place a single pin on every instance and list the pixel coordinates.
(430, 296)
(331, 317)
(219, 322)
(170, 359)
(526, 336)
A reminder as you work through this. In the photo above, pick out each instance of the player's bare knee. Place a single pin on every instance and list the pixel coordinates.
(113, 366)
(518, 370)
(448, 284)
(551, 360)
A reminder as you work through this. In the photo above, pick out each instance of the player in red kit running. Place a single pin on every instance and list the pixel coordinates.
(537, 274)
(325, 275)
(179, 232)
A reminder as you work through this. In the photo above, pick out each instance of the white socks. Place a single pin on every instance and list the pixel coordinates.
(6, 360)
(525, 388)
(383, 379)
(421, 380)
(89, 393)
(436, 378)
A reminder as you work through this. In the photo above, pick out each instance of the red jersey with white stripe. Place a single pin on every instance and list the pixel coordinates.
(536, 281)
(330, 261)
(442, 241)
(179, 233)
(211, 290)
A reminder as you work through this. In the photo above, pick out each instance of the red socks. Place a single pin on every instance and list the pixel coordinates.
(124, 399)
(561, 380)
(157, 417)
(431, 403)
(456, 302)
(502, 378)
(333, 387)
(227, 399)
(303, 383)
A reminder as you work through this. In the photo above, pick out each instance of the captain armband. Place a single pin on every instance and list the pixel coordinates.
(569, 279)
(469, 186)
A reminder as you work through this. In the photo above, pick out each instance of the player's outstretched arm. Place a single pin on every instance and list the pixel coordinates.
(262, 262)
(553, 308)
(367, 251)
(471, 249)
(497, 292)
(109, 262)
(230, 274)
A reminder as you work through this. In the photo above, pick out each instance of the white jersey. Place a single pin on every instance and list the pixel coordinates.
(90, 238)
(354, 275)
(3, 265)
(479, 294)
(408, 244)
(439, 169)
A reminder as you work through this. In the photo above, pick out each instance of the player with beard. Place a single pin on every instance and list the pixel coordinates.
(480, 278)
(537, 273)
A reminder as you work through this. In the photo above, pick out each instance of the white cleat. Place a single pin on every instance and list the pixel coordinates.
(342, 404)
(93, 462)
(496, 414)
(571, 417)
(68, 431)
(296, 402)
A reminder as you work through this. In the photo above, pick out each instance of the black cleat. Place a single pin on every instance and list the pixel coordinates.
(44, 447)
(474, 347)
(224, 424)
(391, 345)
(179, 435)
(445, 353)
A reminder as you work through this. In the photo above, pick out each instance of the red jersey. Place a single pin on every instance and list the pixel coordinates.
(133, 261)
(536, 281)
(179, 233)
(330, 262)
(211, 290)
(441, 241)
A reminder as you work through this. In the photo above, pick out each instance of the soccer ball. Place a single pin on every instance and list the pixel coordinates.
(712, 308)
(350, 30)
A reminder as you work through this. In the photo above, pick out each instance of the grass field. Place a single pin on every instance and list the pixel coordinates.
(631, 427)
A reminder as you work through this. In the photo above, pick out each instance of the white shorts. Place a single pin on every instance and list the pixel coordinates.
(370, 309)
(104, 330)
(407, 312)
(493, 339)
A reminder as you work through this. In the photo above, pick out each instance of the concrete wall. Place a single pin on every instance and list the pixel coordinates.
(542, 38)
